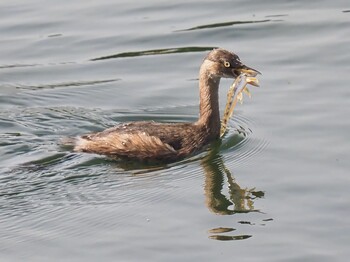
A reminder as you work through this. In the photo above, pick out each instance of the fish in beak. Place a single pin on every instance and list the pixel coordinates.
(235, 93)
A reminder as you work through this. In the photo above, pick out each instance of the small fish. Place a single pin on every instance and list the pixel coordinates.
(235, 94)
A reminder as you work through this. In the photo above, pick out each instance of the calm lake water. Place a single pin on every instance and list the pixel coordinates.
(275, 189)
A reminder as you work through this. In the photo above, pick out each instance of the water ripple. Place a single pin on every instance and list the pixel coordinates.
(240, 144)
(58, 177)
(224, 24)
(19, 65)
(66, 84)
(188, 49)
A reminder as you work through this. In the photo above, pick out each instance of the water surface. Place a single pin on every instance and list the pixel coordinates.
(274, 189)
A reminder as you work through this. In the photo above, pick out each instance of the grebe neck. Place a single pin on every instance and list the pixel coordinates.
(209, 114)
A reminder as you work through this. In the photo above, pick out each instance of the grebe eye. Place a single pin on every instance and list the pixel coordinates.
(227, 64)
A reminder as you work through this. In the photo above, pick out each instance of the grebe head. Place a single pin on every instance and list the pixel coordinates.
(227, 64)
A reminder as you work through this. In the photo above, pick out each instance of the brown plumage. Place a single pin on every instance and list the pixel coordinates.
(151, 141)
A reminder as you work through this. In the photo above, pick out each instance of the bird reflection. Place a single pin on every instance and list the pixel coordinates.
(239, 200)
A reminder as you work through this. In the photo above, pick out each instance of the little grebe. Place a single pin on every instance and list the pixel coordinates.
(151, 141)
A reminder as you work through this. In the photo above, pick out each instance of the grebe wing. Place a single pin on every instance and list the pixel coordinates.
(137, 144)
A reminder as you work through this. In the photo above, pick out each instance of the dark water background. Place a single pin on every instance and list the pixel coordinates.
(276, 189)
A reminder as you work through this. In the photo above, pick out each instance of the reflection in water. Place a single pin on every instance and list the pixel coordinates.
(226, 238)
(221, 230)
(189, 49)
(66, 84)
(242, 199)
(239, 200)
(224, 24)
(16, 65)
(281, 15)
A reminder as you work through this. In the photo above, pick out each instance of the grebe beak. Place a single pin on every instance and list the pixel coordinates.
(248, 70)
